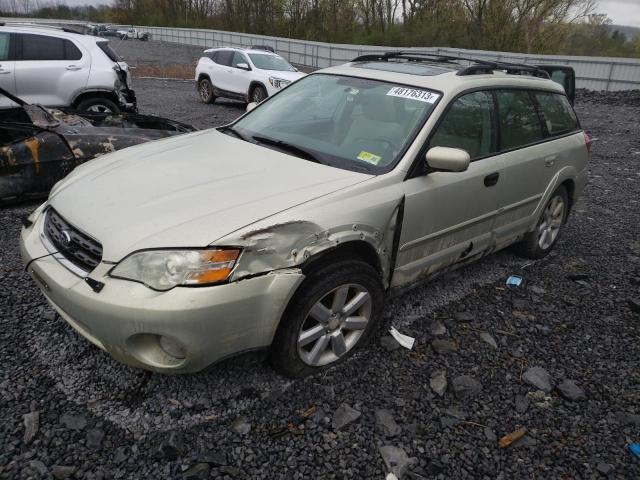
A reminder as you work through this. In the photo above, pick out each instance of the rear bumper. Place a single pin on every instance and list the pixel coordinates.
(128, 100)
(127, 319)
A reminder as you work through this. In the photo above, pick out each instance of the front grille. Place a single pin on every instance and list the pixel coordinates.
(80, 249)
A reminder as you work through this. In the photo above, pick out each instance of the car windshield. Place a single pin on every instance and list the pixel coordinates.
(270, 62)
(347, 122)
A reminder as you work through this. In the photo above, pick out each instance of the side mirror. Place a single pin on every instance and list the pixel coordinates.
(251, 106)
(448, 159)
(243, 66)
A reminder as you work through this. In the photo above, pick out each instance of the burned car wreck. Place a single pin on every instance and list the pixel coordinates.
(39, 146)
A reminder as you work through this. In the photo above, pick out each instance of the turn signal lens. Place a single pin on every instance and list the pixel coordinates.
(216, 267)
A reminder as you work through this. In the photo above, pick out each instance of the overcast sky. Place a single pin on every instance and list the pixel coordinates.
(622, 12)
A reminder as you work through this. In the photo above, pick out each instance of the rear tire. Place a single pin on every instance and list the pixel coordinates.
(311, 336)
(205, 90)
(98, 104)
(539, 242)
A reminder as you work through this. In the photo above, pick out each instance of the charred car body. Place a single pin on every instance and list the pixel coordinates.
(39, 146)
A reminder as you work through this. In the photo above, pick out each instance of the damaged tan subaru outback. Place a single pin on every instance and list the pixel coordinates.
(285, 229)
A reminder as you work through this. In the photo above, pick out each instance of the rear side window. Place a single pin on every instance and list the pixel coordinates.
(519, 121)
(43, 47)
(468, 124)
(224, 57)
(4, 47)
(556, 113)
(108, 51)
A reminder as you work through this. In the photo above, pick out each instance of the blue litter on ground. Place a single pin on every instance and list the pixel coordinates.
(634, 448)
(514, 281)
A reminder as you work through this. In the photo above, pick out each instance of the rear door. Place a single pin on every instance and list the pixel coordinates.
(565, 76)
(528, 122)
(450, 216)
(7, 69)
(222, 70)
(49, 70)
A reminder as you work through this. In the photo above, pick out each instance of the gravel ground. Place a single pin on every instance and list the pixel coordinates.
(381, 410)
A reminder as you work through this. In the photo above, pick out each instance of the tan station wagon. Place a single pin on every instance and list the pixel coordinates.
(285, 229)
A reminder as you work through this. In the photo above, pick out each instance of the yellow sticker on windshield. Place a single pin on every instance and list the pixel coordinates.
(369, 157)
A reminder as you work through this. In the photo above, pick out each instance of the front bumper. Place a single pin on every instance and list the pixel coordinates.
(128, 100)
(127, 319)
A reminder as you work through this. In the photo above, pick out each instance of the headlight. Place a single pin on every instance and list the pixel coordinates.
(278, 82)
(165, 269)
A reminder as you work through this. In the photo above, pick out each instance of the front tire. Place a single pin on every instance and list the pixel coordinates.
(258, 94)
(334, 312)
(539, 242)
(205, 90)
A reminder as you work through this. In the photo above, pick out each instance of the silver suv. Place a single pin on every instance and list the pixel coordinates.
(55, 67)
(286, 228)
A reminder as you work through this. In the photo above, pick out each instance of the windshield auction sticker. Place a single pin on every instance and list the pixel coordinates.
(413, 94)
(369, 157)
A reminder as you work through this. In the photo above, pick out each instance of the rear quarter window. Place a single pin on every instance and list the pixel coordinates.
(108, 51)
(556, 112)
(44, 47)
(223, 57)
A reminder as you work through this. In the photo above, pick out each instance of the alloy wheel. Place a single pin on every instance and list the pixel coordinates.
(334, 324)
(205, 91)
(98, 108)
(551, 222)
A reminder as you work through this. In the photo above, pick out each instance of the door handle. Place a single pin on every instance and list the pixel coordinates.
(74, 67)
(491, 179)
(550, 161)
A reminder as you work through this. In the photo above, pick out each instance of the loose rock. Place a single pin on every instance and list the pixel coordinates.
(442, 346)
(486, 336)
(31, 424)
(73, 422)
(386, 422)
(60, 472)
(396, 460)
(466, 386)
(343, 416)
(539, 378)
(94, 438)
(570, 390)
(438, 382)
(241, 426)
(199, 471)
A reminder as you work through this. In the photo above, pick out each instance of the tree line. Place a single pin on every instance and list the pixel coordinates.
(530, 26)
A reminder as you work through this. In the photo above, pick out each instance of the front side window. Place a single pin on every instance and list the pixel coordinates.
(468, 125)
(4, 46)
(519, 121)
(42, 47)
(238, 58)
(270, 62)
(351, 123)
(556, 112)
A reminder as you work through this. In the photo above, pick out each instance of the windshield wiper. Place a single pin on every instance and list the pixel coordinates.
(230, 129)
(297, 151)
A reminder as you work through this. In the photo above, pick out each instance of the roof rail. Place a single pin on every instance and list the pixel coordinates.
(40, 25)
(478, 66)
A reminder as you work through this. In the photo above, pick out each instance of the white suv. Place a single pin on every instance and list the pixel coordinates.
(59, 68)
(249, 75)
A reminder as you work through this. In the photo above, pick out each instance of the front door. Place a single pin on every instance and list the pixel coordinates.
(49, 70)
(450, 216)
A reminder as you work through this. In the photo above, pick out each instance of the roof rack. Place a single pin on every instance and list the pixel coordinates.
(477, 67)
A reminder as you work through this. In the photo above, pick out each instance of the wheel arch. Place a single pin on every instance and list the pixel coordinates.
(253, 85)
(95, 93)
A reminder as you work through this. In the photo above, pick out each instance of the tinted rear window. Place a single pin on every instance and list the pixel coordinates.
(223, 57)
(556, 113)
(43, 47)
(109, 52)
(519, 121)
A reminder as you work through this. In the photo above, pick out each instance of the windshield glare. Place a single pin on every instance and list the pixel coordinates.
(347, 122)
(270, 62)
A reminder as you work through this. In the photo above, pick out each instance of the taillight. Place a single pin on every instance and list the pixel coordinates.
(588, 142)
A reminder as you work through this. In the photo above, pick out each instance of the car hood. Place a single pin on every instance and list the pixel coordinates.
(187, 191)
(291, 76)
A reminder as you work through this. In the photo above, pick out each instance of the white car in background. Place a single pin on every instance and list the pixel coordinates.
(249, 75)
(56, 67)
